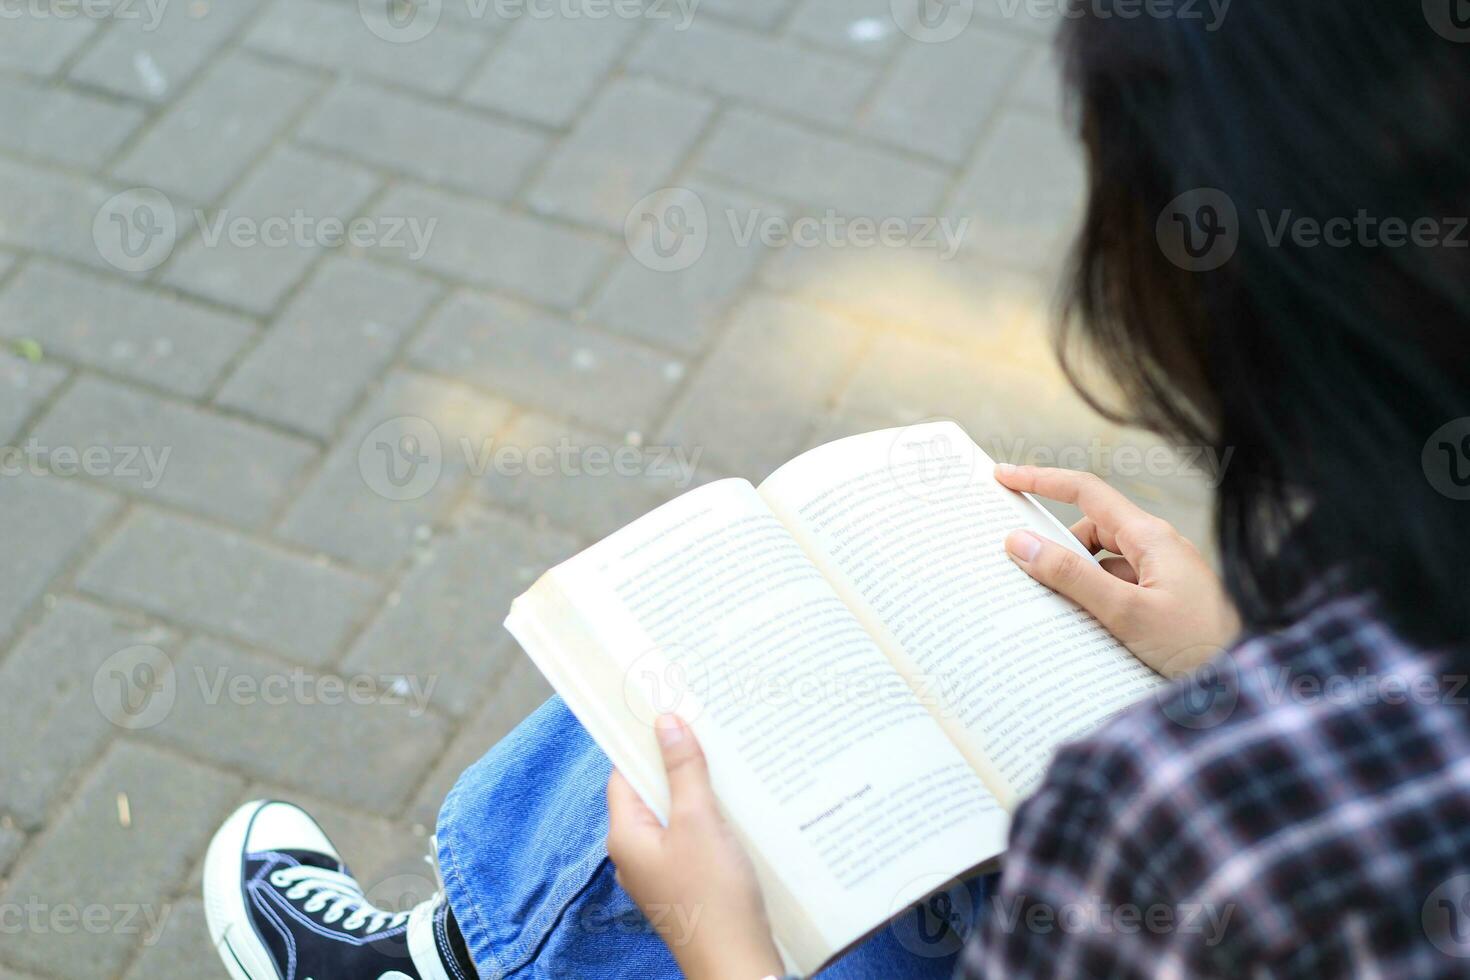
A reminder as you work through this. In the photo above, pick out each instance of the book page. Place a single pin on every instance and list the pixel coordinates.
(910, 525)
(819, 751)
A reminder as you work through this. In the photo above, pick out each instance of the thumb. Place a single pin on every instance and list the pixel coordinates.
(690, 793)
(1063, 570)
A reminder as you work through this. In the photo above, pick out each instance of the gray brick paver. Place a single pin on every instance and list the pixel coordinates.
(795, 164)
(91, 859)
(23, 387)
(548, 68)
(44, 522)
(959, 84)
(209, 138)
(121, 328)
(224, 581)
(962, 296)
(328, 345)
(51, 212)
(741, 408)
(864, 28)
(539, 360)
(682, 308)
(62, 126)
(627, 146)
(354, 510)
(760, 13)
(592, 493)
(181, 947)
(254, 714)
(756, 68)
(446, 622)
(290, 210)
(488, 245)
(425, 139)
(12, 840)
(1024, 192)
(330, 34)
(40, 45)
(152, 60)
(54, 734)
(175, 452)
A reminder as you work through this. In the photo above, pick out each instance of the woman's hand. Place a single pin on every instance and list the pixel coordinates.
(1161, 598)
(693, 880)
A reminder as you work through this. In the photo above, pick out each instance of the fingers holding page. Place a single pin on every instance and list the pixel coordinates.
(1107, 508)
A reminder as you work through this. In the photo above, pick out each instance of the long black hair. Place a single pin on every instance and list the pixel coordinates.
(1336, 362)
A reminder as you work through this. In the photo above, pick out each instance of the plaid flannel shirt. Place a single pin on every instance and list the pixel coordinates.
(1300, 809)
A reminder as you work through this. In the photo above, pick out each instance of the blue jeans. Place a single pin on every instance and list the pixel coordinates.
(522, 852)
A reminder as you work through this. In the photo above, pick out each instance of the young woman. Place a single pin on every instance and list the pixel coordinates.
(1274, 260)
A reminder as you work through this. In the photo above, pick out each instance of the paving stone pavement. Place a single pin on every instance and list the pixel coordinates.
(319, 329)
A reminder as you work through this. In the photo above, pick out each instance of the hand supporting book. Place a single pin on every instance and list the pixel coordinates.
(874, 682)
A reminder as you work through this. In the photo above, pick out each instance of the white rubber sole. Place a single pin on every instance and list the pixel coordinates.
(234, 938)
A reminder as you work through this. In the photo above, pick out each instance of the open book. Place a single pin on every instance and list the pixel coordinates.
(874, 682)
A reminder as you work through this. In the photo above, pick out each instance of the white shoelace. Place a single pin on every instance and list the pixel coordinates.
(321, 887)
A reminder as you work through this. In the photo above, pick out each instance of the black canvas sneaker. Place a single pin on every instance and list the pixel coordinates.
(281, 905)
